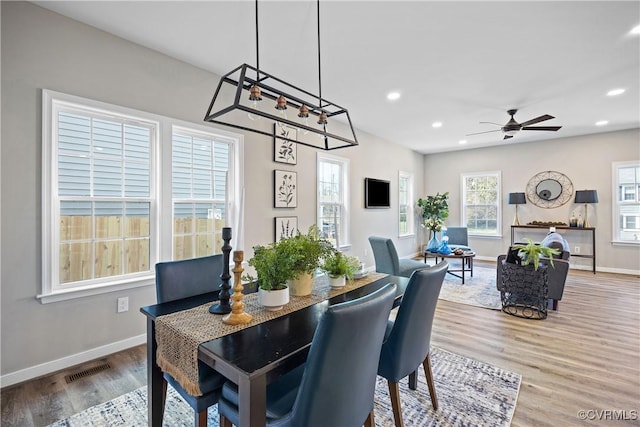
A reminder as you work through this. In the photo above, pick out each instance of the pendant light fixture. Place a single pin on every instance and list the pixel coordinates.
(239, 101)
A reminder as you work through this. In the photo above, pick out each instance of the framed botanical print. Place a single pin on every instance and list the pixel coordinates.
(285, 227)
(284, 145)
(284, 189)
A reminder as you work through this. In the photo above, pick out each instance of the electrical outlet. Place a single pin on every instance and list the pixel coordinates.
(123, 304)
(576, 250)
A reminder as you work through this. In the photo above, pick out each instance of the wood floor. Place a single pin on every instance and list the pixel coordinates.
(583, 357)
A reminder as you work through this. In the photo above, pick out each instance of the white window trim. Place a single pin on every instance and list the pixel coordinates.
(411, 217)
(614, 203)
(161, 228)
(463, 209)
(345, 239)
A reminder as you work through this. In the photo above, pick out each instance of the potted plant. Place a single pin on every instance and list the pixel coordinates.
(273, 267)
(531, 253)
(339, 267)
(435, 209)
(304, 252)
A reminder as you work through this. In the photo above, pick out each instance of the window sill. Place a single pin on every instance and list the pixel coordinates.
(407, 236)
(70, 294)
(626, 243)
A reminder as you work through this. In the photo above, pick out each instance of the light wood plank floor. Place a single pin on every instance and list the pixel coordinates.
(583, 357)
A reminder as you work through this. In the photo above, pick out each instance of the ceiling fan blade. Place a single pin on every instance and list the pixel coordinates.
(554, 128)
(507, 137)
(491, 123)
(478, 133)
(537, 120)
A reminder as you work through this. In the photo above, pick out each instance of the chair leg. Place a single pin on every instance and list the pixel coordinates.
(165, 384)
(428, 373)
(555, 304)
(369, 422)
(413, 380)
(394, 393)
(224, 421)
(201, 419)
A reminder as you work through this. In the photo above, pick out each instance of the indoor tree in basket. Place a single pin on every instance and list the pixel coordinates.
(338, 267)
(435, 210)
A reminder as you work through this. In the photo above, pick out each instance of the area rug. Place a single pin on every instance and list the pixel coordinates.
(479, 290)
(470, 393)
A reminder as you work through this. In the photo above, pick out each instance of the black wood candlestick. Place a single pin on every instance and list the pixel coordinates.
(223, 306)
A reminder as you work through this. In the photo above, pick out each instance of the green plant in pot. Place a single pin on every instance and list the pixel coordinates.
(339, 266)
(531, 252)
(304, 252)
(273, 267)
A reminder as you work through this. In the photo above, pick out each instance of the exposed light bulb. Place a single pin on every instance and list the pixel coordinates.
(255, 96)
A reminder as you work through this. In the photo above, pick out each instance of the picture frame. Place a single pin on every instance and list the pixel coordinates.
(285, 227)
(285, 149)
(285, 192)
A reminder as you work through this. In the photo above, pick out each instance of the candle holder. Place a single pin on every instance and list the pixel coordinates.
(223, 307)
(237, 315)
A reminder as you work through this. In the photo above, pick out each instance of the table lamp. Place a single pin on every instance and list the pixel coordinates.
(517, 199)
(586, 196)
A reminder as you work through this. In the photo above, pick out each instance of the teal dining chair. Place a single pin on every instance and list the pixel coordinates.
(408, 337)
(387, 259)
(336, 385)
(181, 279)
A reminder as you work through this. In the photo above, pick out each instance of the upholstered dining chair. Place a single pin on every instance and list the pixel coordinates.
(182, 279)
(408, 337)
(336, 385)
(387, 259)
(458, 238)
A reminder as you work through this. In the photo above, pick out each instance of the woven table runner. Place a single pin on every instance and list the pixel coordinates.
(178, 335)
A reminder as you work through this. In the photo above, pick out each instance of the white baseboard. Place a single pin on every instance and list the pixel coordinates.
(68, 361)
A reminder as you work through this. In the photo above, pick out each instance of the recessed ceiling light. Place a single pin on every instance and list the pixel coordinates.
(635, 30)
(392, 96)
(462, 141)
(615, 92)
(437, 124)
(602, 122)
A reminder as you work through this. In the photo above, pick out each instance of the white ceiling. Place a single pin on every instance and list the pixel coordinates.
(454, 62)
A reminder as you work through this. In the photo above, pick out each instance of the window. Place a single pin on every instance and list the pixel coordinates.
(333, 199)
(103, 201)
(626, 216)
(406, 217)
(481, 203)
(200, 181)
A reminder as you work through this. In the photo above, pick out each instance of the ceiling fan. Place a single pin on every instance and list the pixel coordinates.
(512, 127)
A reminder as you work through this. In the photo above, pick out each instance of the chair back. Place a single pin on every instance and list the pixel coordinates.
(458, 236)
(407, 344)
(189, 277)
(385, 255)
(338, 385)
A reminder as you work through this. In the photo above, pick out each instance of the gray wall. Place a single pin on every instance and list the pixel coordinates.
(586, 161)
(41, 49)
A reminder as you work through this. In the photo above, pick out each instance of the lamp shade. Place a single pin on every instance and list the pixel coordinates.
(517, 199)
(586, 196)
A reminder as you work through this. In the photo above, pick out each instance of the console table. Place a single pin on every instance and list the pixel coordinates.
(591, 230)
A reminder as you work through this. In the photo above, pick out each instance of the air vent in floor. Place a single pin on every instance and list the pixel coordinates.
(87, 372)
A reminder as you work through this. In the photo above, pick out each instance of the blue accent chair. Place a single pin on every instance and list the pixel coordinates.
(388, 261)
(458, 238)
(336, 385)
(182, 279)
(407, 339)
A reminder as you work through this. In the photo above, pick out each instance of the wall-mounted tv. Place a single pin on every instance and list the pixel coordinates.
(376, 193)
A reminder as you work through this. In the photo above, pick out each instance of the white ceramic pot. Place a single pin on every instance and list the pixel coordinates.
(273, 300)
(337, 281)
(301, 286)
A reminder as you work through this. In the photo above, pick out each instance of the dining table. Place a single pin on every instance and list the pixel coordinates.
(252, 356)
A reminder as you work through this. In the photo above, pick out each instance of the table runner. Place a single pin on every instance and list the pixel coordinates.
(178, 335)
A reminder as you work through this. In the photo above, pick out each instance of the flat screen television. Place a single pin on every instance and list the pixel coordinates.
(376, 193)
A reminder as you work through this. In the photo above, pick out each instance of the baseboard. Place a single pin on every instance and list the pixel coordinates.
(68, 361)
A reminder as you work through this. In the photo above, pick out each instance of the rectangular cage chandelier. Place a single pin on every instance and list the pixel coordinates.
(249, 99)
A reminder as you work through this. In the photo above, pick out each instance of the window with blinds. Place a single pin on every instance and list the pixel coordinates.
(333, 198)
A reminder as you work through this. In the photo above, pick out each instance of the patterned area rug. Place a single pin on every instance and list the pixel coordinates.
(470, 393)
(479, 290)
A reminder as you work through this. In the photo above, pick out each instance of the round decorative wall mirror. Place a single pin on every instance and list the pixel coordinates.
(549, 189)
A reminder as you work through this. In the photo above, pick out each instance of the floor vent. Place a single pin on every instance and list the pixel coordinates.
(87, 372)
